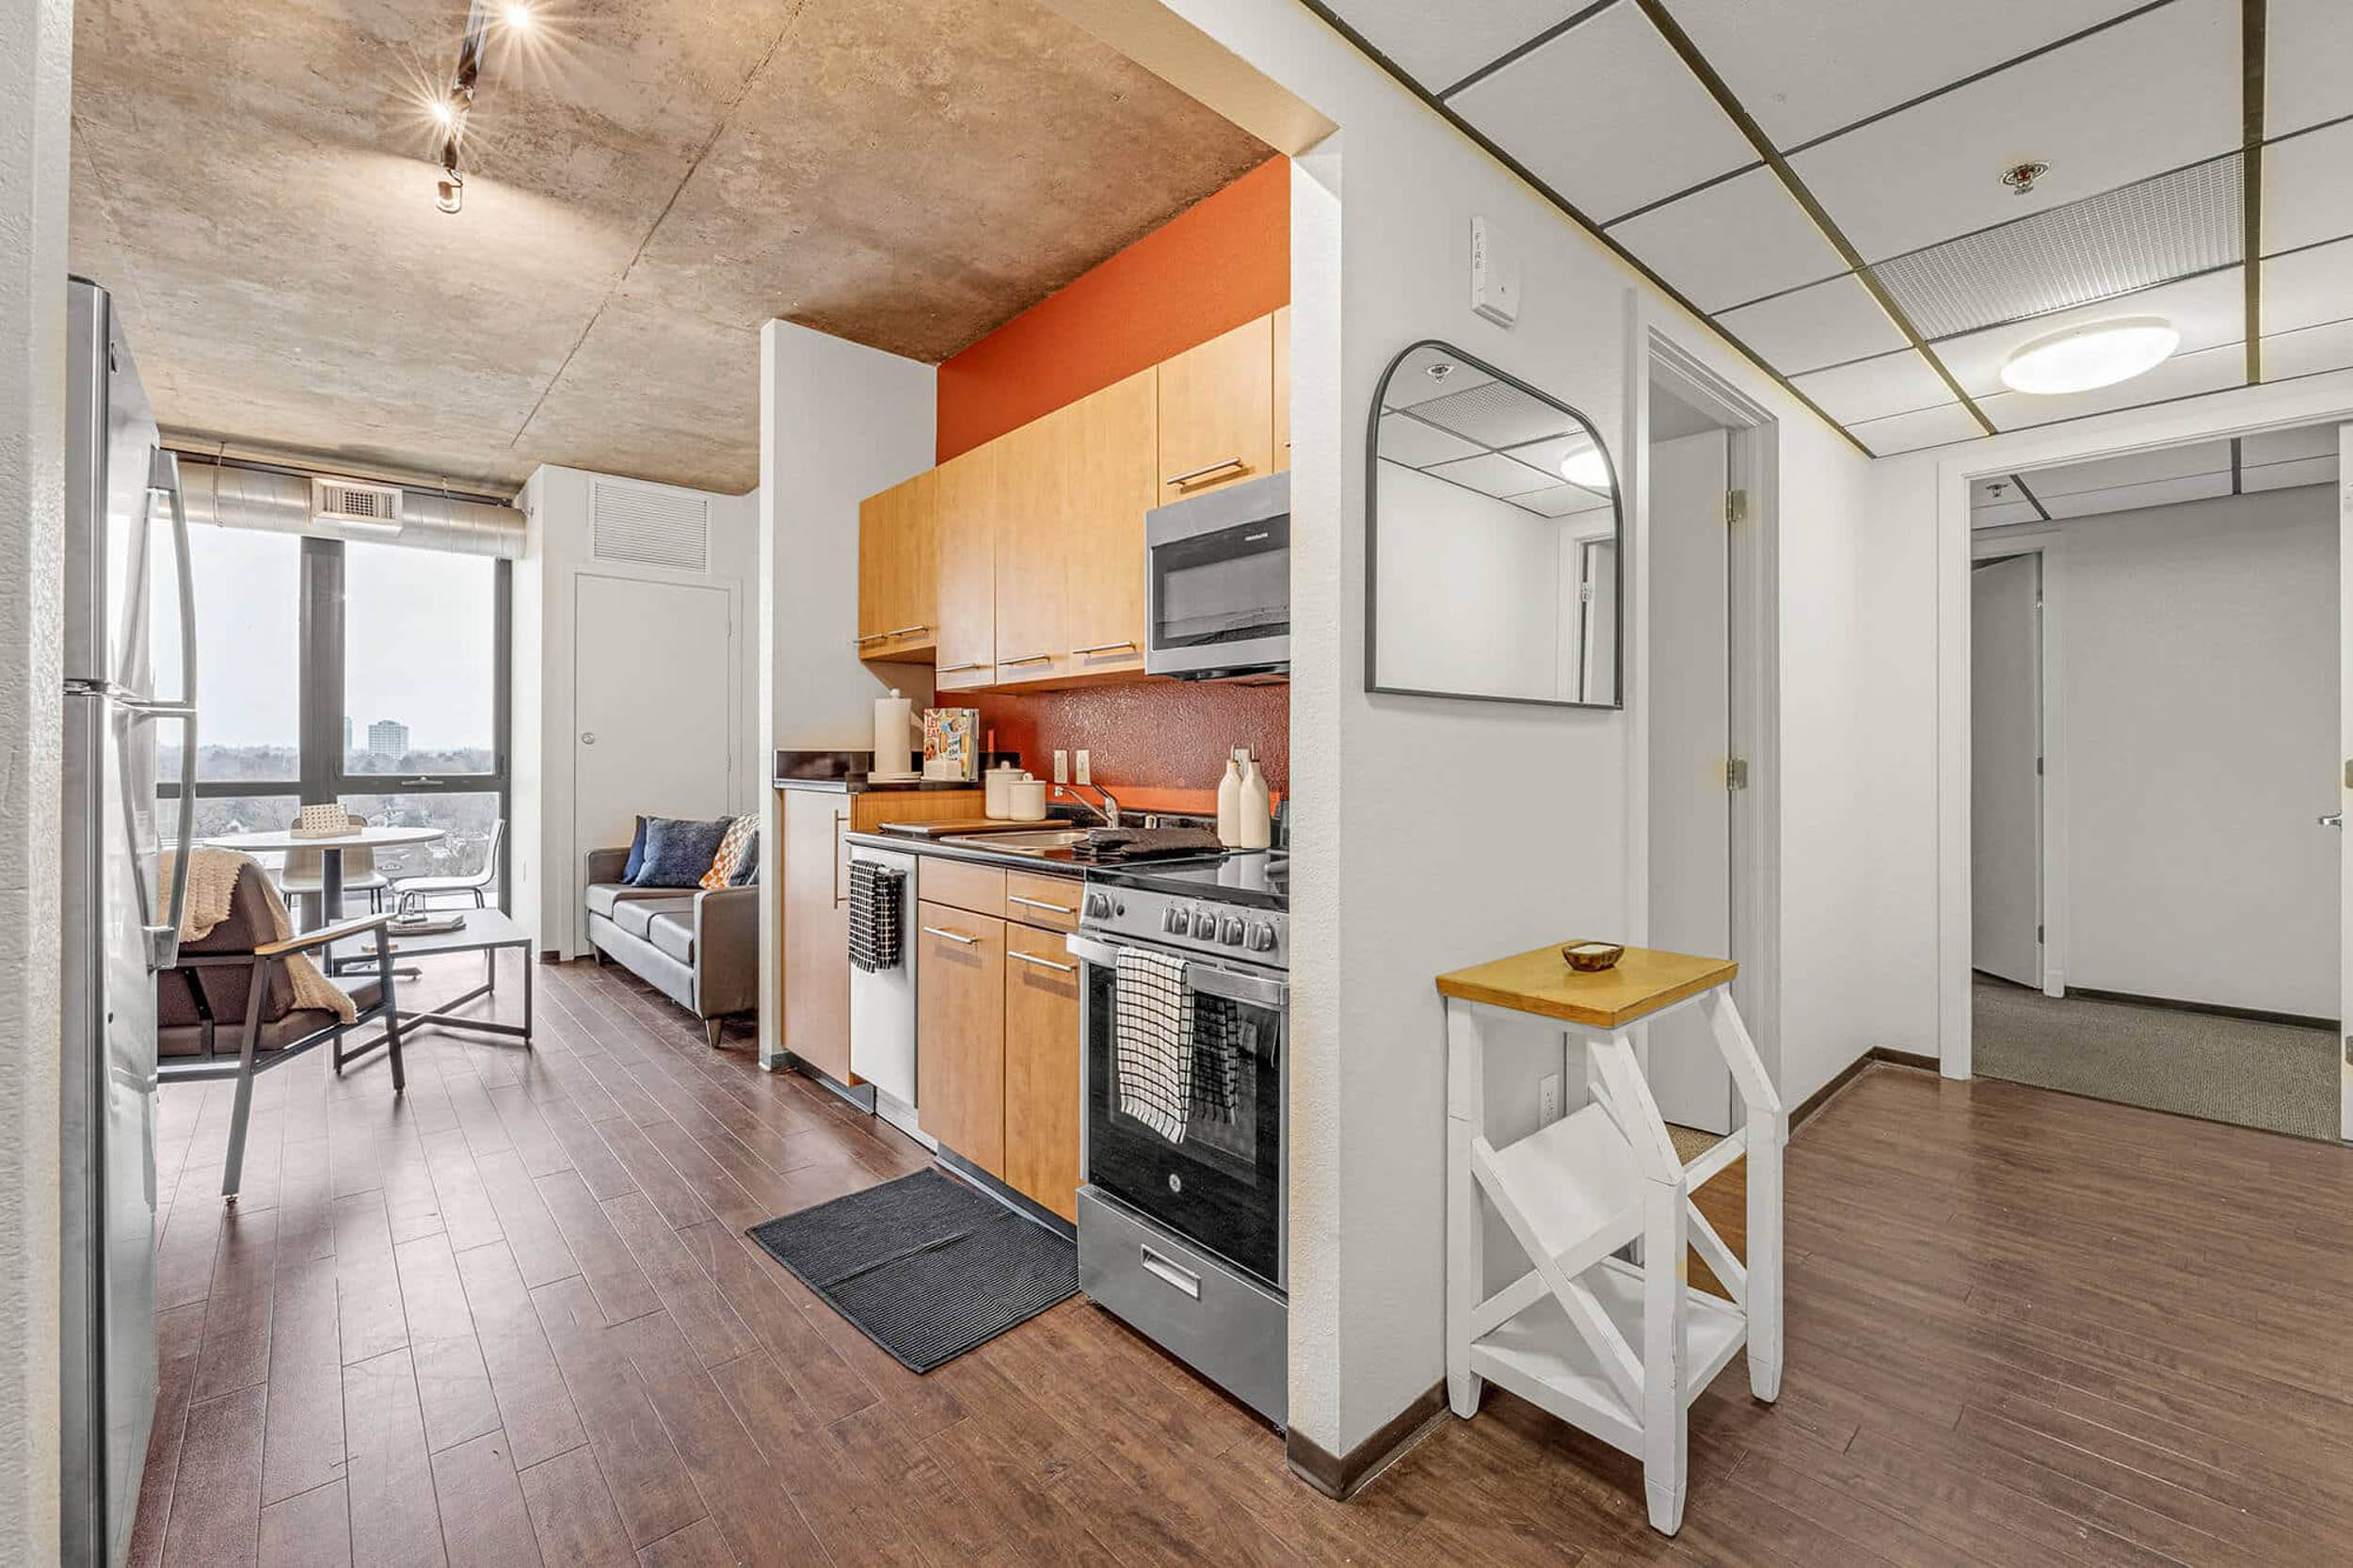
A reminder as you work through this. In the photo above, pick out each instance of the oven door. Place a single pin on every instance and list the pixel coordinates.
(1220, 1184)
(1218, 582)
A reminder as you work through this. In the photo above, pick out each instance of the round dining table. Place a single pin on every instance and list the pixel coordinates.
(320, 907)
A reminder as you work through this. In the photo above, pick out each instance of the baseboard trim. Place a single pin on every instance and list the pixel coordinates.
(2212, 1009)
(862, 1096)
(1877, 1055)
(1341, 1477)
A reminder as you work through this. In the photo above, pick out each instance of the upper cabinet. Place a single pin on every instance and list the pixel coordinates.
(898, 570)
(965, 503)
(1217, 411)
(1020, 563)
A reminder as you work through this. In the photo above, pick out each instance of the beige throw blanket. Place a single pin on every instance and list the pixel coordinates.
(211, 879)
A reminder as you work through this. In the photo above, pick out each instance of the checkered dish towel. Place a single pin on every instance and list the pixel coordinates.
(1152, 1040)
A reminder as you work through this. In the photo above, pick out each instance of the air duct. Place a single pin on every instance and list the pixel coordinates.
(272, 500)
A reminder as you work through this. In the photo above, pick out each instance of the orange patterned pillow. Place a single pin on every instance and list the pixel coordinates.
(731, 850)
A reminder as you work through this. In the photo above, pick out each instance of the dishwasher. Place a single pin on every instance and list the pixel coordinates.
(882, 999)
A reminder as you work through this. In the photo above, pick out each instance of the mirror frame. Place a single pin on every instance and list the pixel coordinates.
(1372, 537)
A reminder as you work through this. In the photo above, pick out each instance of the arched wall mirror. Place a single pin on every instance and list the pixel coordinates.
(1492, 539)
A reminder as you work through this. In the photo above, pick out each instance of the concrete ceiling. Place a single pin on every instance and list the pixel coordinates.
(648, 182)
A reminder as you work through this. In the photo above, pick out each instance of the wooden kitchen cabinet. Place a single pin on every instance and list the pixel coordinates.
(816, 899)
(1217, 411)
(1034, 468)
(960, 1032)
(964, 506)
(1283, 390)
(1116, 480)
(1042, 1088)
(898, 570)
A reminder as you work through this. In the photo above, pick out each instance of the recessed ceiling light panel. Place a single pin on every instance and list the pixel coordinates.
(2099, 354)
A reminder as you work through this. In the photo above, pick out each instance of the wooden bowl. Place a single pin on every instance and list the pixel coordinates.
(1592, 957)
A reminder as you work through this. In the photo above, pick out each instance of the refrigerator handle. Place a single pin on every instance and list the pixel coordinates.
(163, 478)
(163, 941)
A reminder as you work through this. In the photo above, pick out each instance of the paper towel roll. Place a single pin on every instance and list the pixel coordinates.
(893, 751)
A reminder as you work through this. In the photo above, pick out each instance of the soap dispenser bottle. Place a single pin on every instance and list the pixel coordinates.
(1256, 809)
(1229, 802)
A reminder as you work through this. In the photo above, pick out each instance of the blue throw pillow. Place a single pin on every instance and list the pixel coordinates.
(747, 868)
(636, 854)
(677, 852)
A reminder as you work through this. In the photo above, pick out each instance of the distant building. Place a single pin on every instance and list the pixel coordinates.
(388, 738)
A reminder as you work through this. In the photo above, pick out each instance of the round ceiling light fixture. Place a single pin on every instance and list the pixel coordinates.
(2099, 354)
(1588, 468)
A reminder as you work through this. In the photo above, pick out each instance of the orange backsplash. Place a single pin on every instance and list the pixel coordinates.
(1160, 746)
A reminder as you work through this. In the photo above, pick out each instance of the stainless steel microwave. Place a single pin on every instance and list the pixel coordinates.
(1218, 581)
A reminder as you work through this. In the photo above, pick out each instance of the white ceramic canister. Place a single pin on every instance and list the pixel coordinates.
(1026, 799)
(997, 790)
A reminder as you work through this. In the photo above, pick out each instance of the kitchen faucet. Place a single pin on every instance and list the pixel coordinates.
(1108, 809)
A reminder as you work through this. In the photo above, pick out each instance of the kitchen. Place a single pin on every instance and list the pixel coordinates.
(1095, 596)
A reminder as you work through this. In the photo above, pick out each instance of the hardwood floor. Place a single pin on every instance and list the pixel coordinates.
(510, 1320)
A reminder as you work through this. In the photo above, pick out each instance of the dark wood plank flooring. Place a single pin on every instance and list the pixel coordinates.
(510, 1320)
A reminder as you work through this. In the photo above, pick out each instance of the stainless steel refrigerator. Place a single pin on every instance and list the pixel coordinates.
(126, 570)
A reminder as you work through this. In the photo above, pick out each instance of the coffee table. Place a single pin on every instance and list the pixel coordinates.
(486, 932)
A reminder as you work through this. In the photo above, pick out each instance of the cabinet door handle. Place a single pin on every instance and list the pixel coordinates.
(839, 817)
(956, 936)
(959, 669)
(1208, 469)
(1045, 963)
(904, 630)
(865, 637)
(1039, 904)
(1032, 659)
(1103, 647)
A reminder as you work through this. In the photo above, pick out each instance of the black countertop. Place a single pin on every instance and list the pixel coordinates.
(1055, 863)
(845, 773)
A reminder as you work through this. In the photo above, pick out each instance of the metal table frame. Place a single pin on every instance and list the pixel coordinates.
(506, 933)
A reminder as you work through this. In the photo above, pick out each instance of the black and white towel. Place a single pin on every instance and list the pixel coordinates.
(1220, 1039)
(1152, 1040)
(875, 901)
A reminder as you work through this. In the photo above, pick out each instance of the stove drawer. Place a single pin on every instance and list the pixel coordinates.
(1229, 1328)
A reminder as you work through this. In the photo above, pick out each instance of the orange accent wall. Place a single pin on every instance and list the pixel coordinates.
(1222, 262)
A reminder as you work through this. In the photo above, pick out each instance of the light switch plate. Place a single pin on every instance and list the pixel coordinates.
(1495, 274)
(1061, 767)
(1085, 769)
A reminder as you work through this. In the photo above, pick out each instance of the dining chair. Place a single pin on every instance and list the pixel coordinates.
(305, 871)
(474, 884)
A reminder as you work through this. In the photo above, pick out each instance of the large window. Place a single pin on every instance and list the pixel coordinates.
(371, 675)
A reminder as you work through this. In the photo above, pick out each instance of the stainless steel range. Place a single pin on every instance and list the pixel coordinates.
(1183, 1214)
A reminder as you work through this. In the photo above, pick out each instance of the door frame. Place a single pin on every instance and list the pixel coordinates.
(2255, 410)
(2048, 542)
(1656, 354)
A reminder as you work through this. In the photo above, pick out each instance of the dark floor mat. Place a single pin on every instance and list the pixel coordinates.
(924, 1266)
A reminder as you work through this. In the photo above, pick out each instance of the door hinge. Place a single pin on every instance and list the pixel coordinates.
(2348, 772)
(2037, 767)
(2037, 936)
(1735, 507)
(1737, 772)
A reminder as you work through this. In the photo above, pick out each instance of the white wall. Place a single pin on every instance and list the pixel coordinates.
(836, 422)
(1474, 591)
(546, 859)
(2198, 706)
(36, 54)
(1390, 893)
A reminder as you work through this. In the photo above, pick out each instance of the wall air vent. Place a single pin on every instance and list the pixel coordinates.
(352, 502)
(649, 526)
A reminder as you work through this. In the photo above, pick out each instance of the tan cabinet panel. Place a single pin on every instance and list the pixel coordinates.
(1115, 481)
(898, 569)
(1035, 466)
(960, 1032)
(1042, 1087)
(1217, 411)
(1047, 901)
(962, 884)
(965, 499)
(816, 902)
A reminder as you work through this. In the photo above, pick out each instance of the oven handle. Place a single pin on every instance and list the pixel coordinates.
(1204, 978)
(1090, 951)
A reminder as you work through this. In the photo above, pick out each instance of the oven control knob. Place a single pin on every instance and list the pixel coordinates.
(1263, 936)
(1203, 926)
(1229, 928)
(1099, 906)
(1173, 921)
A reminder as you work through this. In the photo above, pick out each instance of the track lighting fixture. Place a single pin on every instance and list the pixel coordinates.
(451, 110)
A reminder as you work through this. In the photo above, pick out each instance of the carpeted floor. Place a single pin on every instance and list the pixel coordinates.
(2272, 1076)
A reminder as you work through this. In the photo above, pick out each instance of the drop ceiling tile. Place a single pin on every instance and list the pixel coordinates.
(2309, 352)
(1607, 115)
(2208, 311)
(1884, 437)
(2288, 476)
(1825, 323)
(2306, 43)
(1734, 242)
(2305, 288)
(2183, 376)
(1439, 45)
(1550, 453)
(1806, 69)
(1408, 440)
(2131, 468)
(1412, 385)
(1562, 500)
(1495, 474)
(2307, 198)
(2287, 446)
(2147, 95)
(2003, 514)
(2131, 498)
(1893, 383)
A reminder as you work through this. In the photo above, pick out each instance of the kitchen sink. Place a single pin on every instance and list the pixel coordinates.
(1044, 843)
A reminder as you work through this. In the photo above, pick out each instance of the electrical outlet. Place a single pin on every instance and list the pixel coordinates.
(1548, 1100)
(1061, 767)
(1086, 772)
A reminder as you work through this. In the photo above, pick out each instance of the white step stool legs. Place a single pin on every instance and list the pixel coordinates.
(1614, 1348)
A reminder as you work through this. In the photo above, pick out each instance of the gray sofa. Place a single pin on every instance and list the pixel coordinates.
(698, 947)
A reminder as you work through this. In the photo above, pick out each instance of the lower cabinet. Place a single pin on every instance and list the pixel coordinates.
(816, 912)
(1042, 1088)
(960, 1032)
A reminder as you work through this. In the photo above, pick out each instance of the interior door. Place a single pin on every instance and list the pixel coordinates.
(1691, 746)
(2344, 772)
(653, 698)
(2005, 776)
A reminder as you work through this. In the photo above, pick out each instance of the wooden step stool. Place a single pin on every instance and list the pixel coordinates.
(1597, 1183)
